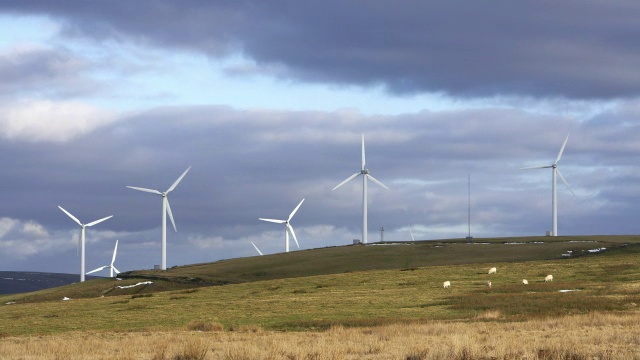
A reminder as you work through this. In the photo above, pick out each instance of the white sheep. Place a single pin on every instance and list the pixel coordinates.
(493, 271)
(525, 282)
(447, 284)
(549, 278)
(489, 284)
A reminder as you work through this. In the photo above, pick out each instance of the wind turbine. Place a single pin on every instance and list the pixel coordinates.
(365, 175)
(258, 250)
(411, 232)
(83, 226)
(554, 198)
(166, 208)
(288, 228)
(111, 266)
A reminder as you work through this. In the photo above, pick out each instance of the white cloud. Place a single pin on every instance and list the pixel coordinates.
(31, 228)
(23, 238)
(45, 120)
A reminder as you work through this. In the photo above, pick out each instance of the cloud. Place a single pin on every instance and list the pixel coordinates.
(39, 71)
(45, 120)
(22, 238)
(495, 48)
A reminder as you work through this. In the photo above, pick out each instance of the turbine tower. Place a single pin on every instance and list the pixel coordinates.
(83, 226)
(287, 228)
(365, 175)
(166, 208)
(554, 198)
(111, 267)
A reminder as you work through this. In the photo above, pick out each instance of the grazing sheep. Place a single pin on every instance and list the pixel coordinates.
(525, 282)
(493, 271)
(549, 278)
(489, 284)
(447, 284)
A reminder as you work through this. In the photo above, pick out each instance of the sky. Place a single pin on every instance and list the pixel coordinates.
(268, 101)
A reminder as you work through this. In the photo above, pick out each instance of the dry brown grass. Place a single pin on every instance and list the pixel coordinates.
(587, 336)
(205, 326)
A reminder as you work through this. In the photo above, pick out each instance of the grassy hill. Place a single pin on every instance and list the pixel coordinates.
(379, 256)
(334, 260)
(351, 285)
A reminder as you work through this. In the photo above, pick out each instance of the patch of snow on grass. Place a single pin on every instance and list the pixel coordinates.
(138, 284)
(389, 244)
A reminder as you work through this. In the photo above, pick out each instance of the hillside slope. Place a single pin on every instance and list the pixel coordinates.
(380, 256)
(333, 260)
(600, 282)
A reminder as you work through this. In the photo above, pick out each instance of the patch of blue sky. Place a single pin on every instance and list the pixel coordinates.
(147, 77)
(25, 30)
(191, 79)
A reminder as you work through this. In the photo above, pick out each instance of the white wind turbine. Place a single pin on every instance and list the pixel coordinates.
(288, 228)
(554, 198)
(83, 226)
(365, 175)
(166, 208)
(111, 266)
(411, 232)
(258, 250)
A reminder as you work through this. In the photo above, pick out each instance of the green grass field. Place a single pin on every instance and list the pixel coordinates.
(350, 286)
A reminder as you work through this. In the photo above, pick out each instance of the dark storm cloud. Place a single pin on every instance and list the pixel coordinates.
(572, 49)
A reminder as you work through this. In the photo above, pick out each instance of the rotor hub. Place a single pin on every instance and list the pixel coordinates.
(364, 171)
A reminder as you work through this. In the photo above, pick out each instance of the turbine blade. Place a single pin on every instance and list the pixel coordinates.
(537, 167)
(274, 220)
(363, 160)
(96, 270)
(99, 221)
(411, 232)
(294, 210)
(145, 190)
(377, 182)
(293, 234)
(346, 181)
(178, 181)
(562, 149)
(258, 250)
(115, 270)
(115, 250)
(71, 216)
(564, 181)
(170, 214)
